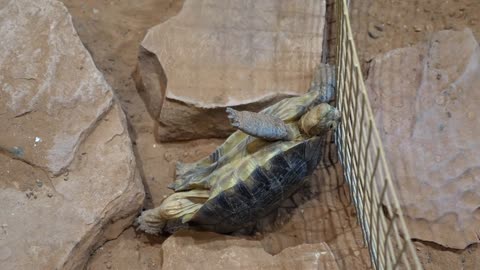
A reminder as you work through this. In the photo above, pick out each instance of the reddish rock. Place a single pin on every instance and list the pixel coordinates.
(52, 94)
(194, 250)
(426, 103)
(241, 54)
(128, 252)
(68, 178)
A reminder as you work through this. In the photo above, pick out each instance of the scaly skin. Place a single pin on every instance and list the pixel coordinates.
(264, 126)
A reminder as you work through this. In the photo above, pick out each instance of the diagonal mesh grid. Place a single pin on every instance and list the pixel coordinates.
(362, 156)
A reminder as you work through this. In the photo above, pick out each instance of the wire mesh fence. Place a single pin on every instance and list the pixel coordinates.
(365, 168)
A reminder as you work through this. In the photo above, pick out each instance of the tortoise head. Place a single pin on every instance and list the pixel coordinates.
(319, 120)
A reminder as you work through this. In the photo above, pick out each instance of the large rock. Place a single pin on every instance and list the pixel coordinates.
(190, 250)
(426, 103)
(68, 178)
(214, 54)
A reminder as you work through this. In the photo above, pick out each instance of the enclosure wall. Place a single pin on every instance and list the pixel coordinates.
(362, 156)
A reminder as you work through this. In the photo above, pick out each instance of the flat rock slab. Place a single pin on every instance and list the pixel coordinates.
(195, 250)
(51, 92)
(68, 178)
(218, 53)
(426, 103)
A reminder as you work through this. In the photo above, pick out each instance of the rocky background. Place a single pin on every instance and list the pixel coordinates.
(85, 104)
(421, 60)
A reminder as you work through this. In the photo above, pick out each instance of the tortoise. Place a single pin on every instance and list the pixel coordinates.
(322, 89)
(270, 161)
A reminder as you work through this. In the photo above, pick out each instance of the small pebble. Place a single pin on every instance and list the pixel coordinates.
(417, 28)
(441, 127)
(440, 100)
(168, 157)
(39, 183)
(375, 30)
(379, 27)
(449, 27)
(30, 194)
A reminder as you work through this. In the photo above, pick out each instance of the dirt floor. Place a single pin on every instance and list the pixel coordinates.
(112, 30)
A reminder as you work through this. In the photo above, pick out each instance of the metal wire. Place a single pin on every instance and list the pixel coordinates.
(361, 153)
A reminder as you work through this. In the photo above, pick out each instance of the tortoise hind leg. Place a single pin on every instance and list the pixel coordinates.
(151, 221)
(178, 206)
(193, 179)
(263, 126)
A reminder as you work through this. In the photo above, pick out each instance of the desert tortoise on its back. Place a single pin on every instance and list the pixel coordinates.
(322, 90)
(267, 160)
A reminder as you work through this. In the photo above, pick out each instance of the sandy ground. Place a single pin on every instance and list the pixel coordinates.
(112, 30)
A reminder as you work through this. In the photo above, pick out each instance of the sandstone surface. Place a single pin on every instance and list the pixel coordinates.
(130, 251)
(190, 250)
(214, 54)
(68, 178)
(426, 103)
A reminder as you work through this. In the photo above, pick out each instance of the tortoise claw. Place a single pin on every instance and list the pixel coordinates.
(233, 116)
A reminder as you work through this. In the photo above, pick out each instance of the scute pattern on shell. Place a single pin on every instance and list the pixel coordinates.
(277, 171)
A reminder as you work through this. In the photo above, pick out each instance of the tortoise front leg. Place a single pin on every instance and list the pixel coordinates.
(263, 126)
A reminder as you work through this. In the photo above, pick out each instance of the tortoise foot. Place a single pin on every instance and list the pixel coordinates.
(234, 117)
(150, 222)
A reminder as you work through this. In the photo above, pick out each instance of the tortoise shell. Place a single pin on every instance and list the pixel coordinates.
(258, 184)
